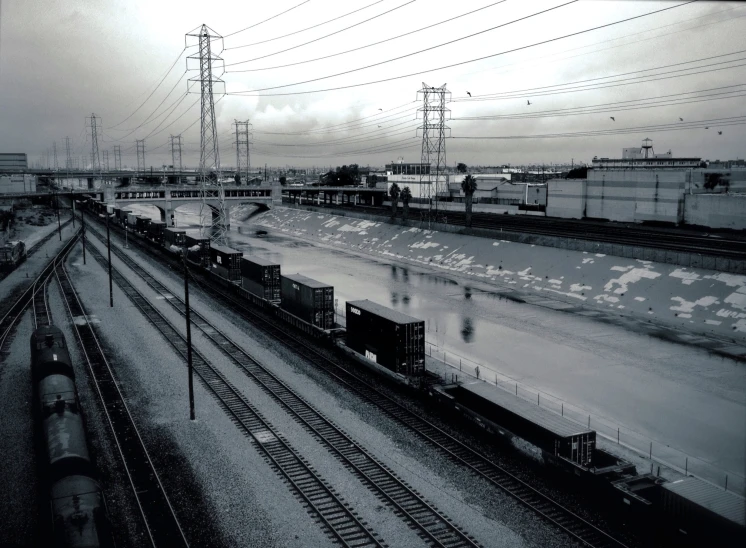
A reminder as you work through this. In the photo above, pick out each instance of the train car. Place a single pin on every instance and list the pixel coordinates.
(131, 220)
(226, 262)
(79, 513)
(560, 440)
(387, 337)
(49, 353)
(142, 223)
(308, 299)
(156, 230)
(11, 255)
(174, 238)
(261, 278)
(198, 250)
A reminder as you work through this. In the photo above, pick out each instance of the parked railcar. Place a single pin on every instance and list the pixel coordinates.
(198, 250)
(79, 513)
(261, 277)
(49, 353)
(142, 223)
(308, 299)
(11, 255)
(387, 337)
(226, 262)
(155, 231)
(174, 237)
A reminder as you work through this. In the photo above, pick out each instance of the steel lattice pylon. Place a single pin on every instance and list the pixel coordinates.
(243, 160)
(140, 144)
(433, 159)
(209, 159)
(94, 122)
(117, 158)
(176, 152)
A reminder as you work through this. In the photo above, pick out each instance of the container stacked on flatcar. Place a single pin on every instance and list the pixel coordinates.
(261, 278)
(121, 216)
(308, 299)
(76, 501)
(131, 220)
(198, 250)
(387, 337)
(141, 224)
(174, 238)
(226, 262)
(155, 231)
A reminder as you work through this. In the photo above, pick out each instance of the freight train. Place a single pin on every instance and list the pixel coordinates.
(11, 255)
(393, 344)
(79, 517)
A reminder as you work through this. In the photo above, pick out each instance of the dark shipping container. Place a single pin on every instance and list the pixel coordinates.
(261, 277)
(142, 223)
(155, 231)
(387, 337)
(199, 249)
(174, 236)
(309, 300)
(226, 262)
(554, 434)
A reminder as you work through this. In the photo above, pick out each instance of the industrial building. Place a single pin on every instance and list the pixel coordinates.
(12, 162)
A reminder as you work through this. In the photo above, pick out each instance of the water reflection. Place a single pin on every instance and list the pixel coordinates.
(467, 292)
(467, 329)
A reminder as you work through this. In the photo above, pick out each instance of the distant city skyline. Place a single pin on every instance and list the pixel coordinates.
(674, 76)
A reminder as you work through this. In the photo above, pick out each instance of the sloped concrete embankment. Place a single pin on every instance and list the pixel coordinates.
(697, 300)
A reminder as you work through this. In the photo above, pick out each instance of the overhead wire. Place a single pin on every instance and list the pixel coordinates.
(323, 37)
(268, 19)
(253, 92)
(307, 28)
(368, 45)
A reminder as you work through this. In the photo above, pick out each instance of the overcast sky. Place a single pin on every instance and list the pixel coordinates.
(60, 61)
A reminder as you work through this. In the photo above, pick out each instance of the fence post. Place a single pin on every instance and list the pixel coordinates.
(537, 399)
(563, 409)
(617, 435)
(459, 364)
(686, 466)
(651, 450)
(516, 389)
(726, 482)
(589, 422)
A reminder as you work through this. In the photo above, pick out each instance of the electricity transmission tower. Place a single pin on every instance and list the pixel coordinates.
(243, 161)
(117, 158)
(140, 143)
(94, 122)
(433, 159)
(68, 158)
(209, 159)
(176, 151)
(54, 150)
(106, 160)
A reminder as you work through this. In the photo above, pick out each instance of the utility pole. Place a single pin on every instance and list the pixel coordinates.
(189, 335)
(59, 223)
(242, 150)
(209, 161)
(434, 114)
(108, 249)
(82, 224)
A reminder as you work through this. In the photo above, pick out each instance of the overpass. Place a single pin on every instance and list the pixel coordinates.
(336, 195)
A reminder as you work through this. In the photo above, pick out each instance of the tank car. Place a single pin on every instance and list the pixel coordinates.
(49, 354)
(79, 513)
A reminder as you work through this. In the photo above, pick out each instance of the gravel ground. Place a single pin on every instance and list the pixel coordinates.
(21, 493)
(495, 519)
(232, 491)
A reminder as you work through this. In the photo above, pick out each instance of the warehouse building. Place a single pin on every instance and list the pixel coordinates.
(13, 162)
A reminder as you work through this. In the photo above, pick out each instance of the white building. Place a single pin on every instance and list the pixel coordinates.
(417, 177)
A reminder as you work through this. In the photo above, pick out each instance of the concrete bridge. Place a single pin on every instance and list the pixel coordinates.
(168, 199)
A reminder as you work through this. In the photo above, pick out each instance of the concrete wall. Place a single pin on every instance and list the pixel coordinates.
(635, 196)
(566, 198)
(10, 184)
(716, 210)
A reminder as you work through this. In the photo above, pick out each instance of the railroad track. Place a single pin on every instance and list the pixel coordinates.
(431, 524)
(338, 520)
(160, 521)
(612, 233)
(569, 522)
(40, 305)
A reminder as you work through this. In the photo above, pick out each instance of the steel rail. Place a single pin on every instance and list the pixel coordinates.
(564, 518)
(339, 520)
(160, 521)
(418, 512)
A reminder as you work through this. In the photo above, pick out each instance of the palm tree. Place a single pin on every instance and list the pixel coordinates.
(394, 194)
(469, 185)
(405, 196)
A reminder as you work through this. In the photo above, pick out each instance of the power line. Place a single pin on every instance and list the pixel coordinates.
(307, 28)
(368, 45)
(252, 92)
(152, 92)
(268, 19)
(323, 37)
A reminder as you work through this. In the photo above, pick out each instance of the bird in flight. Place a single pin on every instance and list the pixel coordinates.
(720, 132)
(681, 119)
(528, 102)
(612, 118)
(468, 93)
(380, 109)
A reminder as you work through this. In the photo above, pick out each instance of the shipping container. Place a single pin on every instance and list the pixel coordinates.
(199, 250)
(122, 216)
(387, 337)
(131, 220)
(174, 237)
(698, 508)
(261, 277)
(226, 262)
(555, 435)
(309, 300)
(155, 231)
(142, 223)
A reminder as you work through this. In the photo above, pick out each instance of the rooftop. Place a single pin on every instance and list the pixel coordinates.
(384, 312)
